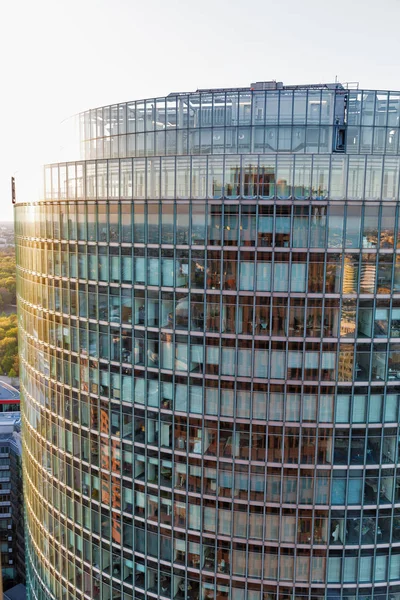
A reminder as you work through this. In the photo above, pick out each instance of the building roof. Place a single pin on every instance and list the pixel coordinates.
(8, 392)
(18, 592)
(10, 429)
(9, 421)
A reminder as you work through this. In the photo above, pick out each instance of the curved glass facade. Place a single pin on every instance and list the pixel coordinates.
(209, 311)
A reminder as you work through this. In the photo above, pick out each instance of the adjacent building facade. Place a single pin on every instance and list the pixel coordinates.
(12, 549)
(9, 398)
(209, 307)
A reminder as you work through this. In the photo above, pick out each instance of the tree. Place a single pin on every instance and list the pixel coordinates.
(6, 295)
(8, 323)
(16, 365)
(12, 375)
(7, 363)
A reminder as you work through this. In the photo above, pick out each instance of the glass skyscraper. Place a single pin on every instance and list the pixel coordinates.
(209, 309)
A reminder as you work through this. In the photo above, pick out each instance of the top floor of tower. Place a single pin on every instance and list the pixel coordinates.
(265, 117)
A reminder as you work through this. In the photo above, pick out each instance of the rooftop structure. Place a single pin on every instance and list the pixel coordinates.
(18, 592)
(9, 398)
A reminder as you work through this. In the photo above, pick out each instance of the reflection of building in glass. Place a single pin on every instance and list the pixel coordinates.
(349, 276)
(209, 303)
(368, 276)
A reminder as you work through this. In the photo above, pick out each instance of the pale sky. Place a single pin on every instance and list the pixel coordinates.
(59, 57)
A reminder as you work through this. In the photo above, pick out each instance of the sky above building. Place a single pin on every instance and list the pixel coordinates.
(61, 57)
